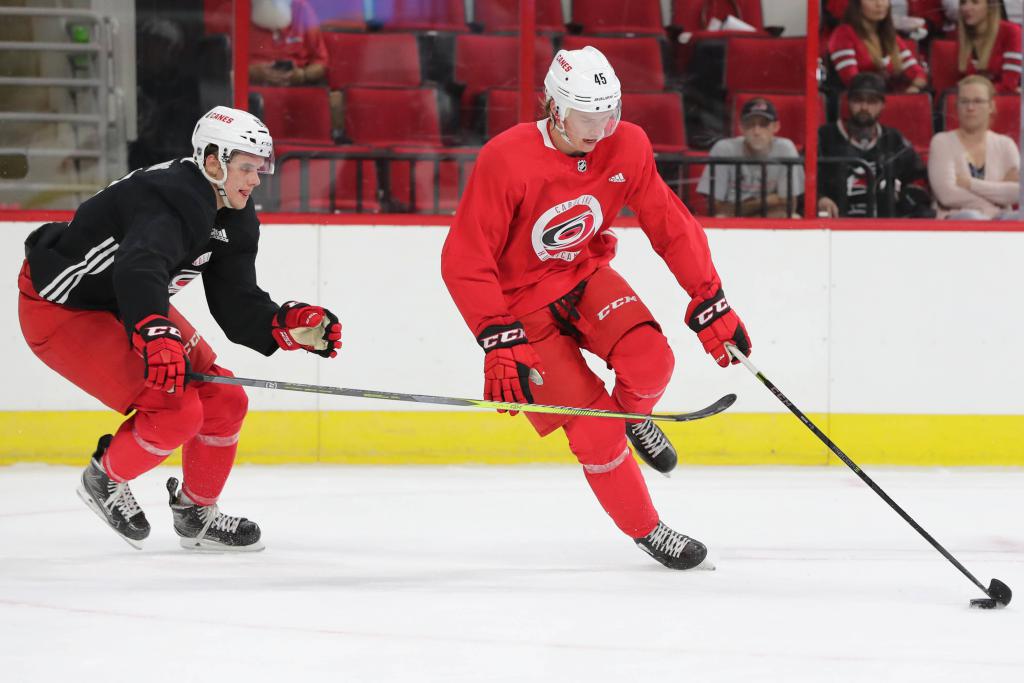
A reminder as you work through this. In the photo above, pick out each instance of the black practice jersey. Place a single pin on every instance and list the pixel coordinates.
(140, 240)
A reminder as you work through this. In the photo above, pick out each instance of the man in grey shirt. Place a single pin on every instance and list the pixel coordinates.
(759, 122)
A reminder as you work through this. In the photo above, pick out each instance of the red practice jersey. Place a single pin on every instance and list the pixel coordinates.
(1004, 66)
(533, 222)
(850, 56)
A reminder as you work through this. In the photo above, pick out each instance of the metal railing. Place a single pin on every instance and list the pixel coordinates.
(382, 168)
(378, 175)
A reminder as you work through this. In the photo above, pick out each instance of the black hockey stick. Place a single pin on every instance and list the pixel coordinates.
(713, 409)
(998, 593)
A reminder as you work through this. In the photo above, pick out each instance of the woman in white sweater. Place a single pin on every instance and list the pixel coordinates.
(974, 173)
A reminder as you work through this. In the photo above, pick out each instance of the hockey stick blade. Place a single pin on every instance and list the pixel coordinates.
(713, 409)
(999, 596)
(998, 593)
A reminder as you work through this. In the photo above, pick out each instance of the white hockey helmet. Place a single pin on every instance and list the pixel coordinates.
(231, 130)
(583, 80)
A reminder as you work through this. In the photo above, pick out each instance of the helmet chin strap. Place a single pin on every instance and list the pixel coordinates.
(218, 185)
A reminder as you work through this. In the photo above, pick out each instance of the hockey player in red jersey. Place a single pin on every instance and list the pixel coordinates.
(94, 305)
(527, 263)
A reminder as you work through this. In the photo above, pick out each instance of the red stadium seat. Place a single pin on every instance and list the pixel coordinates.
(943, 65)
(637, 61)
(909, 113)
(503, 16)
(430, 185)
(484, 62)
(218, 16)
(339, 15)
(502, 110)
(792, 110)
(1005, 121)
(417, 15)
(297, 115)
(345, 182)
(641, 17)
(693, 15)
(660, 114)
(372, 59)
(392, 116)
(775, 64)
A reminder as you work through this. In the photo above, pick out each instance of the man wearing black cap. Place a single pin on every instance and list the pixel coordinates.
(771, 194)
(880, 186)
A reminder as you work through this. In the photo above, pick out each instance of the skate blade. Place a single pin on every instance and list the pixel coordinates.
(94, 506)
(706, 565)
(208, 546)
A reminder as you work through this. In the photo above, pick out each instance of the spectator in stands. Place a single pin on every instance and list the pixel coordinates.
(989, 45)
(285, 44)
(867, 41)
(974, 173)
(1013, 10)
(913, 18)
(782, 184)
(287, 48)
(889, 163)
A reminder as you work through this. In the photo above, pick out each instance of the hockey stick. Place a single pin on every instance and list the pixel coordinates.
(998, 592)
(713, 409)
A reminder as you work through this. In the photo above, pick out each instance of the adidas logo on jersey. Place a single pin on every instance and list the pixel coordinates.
(219, 234)
(617, 178)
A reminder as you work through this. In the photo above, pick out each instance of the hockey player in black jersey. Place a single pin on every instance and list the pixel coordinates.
(94, 305)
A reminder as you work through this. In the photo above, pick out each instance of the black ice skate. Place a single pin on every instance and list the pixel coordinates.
(652, 445)
(675, 550)
(206, 528)
(112, 502)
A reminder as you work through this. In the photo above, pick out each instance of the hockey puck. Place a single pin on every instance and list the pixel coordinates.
(984, 603)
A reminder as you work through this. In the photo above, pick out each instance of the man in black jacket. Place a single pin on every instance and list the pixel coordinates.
(866, 169)
(94, 305)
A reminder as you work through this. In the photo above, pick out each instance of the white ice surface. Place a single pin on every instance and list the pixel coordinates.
(515, 574)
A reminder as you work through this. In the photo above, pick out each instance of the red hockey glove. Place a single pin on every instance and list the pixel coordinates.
(158, 341)
(312, 328)
(716, 323)
(510, 365)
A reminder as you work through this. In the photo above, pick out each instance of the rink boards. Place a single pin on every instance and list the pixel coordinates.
(901, 345)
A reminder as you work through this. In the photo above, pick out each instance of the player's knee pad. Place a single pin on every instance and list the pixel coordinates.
(643, 361)
(224, 406)
(599, 443)
(172, 423)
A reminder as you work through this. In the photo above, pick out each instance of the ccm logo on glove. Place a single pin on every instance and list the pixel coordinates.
(502, 339)
(716, 324)
(510, 364)
(158, 341)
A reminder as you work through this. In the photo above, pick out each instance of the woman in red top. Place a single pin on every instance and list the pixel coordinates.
(988, 45)
(867, 41)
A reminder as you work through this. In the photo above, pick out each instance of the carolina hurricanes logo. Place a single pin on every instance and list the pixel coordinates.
(179, 280)
(562, 230)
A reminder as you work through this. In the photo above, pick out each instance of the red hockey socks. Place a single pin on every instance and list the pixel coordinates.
(206, 462)
(161, 423)
(207, 457)
(643, 364)
(600, 446)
